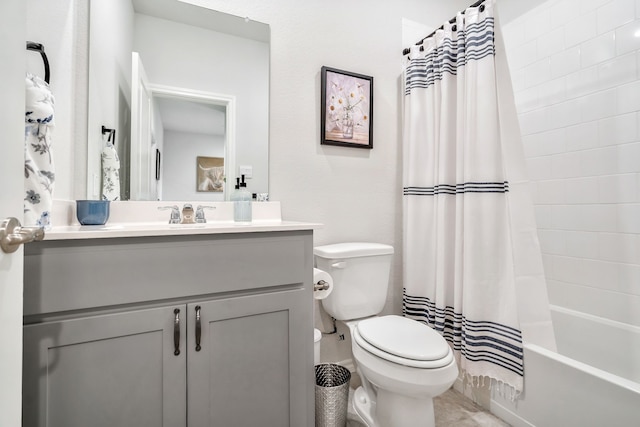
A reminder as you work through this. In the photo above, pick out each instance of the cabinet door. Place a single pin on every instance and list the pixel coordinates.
(106, 371)
(250, 368)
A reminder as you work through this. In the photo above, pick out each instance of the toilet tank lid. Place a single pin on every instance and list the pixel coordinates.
(352, 250)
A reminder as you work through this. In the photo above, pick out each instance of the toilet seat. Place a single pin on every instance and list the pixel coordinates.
(403, 341)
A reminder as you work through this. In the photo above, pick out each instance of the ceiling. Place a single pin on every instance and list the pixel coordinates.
(181, 115)
(200, 16)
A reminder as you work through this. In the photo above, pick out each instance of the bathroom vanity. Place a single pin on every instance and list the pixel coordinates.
(172, 327)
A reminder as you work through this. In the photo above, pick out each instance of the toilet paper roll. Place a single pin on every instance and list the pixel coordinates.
(322, 284)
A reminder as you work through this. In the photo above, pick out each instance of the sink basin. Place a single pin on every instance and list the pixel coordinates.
(102, 227)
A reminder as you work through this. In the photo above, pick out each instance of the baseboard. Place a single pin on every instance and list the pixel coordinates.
(457, 386)
(508, 416)
(492, 405)
(347, 363)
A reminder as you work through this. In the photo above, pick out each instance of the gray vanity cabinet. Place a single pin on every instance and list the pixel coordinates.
(103, 371)
(100, 342)
(241, 375)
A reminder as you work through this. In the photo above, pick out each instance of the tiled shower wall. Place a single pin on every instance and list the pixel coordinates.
(575, 67)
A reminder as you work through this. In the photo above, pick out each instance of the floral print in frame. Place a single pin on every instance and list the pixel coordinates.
(347, 108)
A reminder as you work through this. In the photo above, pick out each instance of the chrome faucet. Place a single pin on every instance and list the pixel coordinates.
(187, 214)
(200, 213)
(175, 213)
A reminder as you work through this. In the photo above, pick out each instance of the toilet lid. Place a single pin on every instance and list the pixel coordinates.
(403, 338)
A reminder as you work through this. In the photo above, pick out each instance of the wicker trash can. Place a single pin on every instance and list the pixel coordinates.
(332, 395)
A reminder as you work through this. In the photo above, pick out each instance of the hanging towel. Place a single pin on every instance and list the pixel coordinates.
(39, 171)
(110, 172)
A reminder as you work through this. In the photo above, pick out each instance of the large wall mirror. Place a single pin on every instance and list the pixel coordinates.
(187, 90)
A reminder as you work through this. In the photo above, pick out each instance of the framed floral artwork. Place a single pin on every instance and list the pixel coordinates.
(347, 109)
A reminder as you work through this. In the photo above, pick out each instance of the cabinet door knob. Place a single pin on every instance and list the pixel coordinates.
(176, 332)
(198, 328)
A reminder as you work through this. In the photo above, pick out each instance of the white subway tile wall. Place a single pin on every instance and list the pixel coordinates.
(575, 66)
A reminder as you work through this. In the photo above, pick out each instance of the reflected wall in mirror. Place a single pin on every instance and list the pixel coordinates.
(187, 125)
(187, 52)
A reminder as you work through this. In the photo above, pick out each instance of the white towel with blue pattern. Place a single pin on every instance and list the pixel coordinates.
(110, 172)
(39, 171)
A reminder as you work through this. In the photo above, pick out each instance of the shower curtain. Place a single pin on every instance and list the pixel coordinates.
(470, 240)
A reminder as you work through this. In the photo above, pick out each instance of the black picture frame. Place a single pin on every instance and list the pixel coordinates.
(158, 160)
(346, 111)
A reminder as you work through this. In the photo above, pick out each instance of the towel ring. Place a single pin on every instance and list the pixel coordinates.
(39, 47)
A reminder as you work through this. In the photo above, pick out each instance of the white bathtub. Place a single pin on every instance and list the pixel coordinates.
(594, 380)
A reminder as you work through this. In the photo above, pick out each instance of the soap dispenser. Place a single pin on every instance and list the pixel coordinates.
(236, 193)
(241, 202)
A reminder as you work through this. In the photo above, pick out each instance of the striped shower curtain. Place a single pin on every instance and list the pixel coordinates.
(470, 240)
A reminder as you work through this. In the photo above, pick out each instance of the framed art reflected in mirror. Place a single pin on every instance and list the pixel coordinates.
(210, 174)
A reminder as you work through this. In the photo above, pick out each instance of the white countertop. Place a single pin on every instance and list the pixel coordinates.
(72, 232)
(143, 219)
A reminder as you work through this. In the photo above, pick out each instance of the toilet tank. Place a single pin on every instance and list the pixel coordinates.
(360, 273)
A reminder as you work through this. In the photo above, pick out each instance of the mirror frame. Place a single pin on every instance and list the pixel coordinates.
(197, 15)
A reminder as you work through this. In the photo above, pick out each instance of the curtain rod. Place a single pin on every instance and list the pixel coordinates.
(405, 51)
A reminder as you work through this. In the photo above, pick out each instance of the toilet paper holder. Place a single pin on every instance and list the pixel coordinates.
(320, 286)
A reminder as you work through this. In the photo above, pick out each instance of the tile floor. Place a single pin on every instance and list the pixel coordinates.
(454, 410)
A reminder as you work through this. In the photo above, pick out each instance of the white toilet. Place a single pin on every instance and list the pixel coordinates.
(403, 363)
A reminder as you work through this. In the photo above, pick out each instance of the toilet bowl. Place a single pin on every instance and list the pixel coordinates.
(399, 388)
(403, 363)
